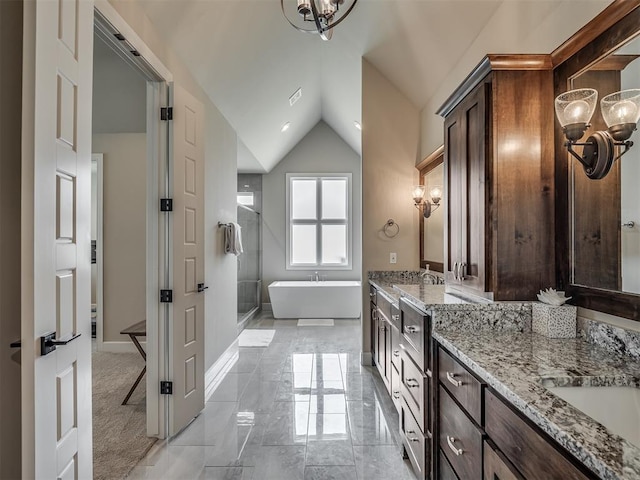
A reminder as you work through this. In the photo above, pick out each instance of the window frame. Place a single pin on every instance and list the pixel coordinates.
(318, 222)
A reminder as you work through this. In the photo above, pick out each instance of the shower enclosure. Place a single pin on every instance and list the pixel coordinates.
(250, 262)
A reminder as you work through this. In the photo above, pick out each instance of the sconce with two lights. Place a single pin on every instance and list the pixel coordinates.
(621, 112)
(427, 207)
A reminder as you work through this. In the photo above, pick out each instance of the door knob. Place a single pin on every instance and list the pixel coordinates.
(201, 287)
(48, 342)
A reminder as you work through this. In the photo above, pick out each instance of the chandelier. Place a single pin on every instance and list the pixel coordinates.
(316, 16)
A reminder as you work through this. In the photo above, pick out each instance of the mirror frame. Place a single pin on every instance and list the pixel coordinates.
(425, 166)
(608, 31)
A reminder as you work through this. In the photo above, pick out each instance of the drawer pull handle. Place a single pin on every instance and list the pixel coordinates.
(395, 317)
(411, 329)
(396, 353)
(450, 442)
(396, 394)
(452, 380)
(412, 439)
(412, 383)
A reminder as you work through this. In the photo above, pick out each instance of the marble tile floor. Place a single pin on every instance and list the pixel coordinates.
(302, 408)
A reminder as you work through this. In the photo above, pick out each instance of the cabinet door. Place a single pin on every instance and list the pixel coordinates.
(475, 132)
(387, 354)
(455, 204)
(466, 137)
(374, 334)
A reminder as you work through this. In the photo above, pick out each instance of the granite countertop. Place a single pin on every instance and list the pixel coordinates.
(518, 365)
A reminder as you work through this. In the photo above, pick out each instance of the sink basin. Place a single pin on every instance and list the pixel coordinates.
(616, 408)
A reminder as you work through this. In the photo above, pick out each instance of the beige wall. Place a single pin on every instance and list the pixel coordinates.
(220, 185)
(515, 27)
(124, 230)
(10, 178)
(390, 149)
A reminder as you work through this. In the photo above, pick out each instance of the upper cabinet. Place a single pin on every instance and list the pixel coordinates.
(499, 169)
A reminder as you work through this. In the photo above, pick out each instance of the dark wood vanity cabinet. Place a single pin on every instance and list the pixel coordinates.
(481, 436)
(498, 153)
(416, 389)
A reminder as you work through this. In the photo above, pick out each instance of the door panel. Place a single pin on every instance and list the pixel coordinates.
(188, 259)
(56, 238)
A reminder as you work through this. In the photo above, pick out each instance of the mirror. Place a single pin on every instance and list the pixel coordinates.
(432, 228)
(593, 259)
(605, 214)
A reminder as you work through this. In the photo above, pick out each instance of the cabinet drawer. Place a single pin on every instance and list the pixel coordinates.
(396, 393)
(459, 439)
(415, 331)
(532, 454)
(415, 443)
(446, 470)
(415, 390)
(395, 346)
(462, 385)
(395, 317)
(373, 291)
(384, 305)
(498, 467)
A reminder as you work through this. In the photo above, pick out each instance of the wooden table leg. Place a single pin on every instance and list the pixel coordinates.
(144, 370)
(135, 341)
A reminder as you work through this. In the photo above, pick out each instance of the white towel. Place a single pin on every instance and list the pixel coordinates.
(233, 239)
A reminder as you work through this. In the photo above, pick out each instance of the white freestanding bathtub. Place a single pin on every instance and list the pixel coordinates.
(307, 299)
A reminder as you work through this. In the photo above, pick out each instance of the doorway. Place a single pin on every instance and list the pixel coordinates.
(127, 164)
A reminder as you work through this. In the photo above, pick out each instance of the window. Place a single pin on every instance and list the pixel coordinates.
(319, 221)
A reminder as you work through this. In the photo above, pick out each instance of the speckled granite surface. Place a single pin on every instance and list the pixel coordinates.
(449, 310)
(407, 277)
(518, 365)
(610, 337)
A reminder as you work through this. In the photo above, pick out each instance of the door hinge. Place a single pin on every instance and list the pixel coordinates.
(166, 388)
(166, 296)
(166, 205)
(166, 113)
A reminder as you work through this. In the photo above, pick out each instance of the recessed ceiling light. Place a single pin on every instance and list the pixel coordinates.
(285, 127)
(357, 125)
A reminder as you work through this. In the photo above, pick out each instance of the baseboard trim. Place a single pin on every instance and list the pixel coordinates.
(219, 369)
(366, 358)
(120, 347)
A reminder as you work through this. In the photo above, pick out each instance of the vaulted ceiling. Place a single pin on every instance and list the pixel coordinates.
(250, 60)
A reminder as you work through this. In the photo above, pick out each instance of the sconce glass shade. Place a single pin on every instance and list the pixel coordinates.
(418, 193)
(574, 110)
(621, 112)
(436, 194)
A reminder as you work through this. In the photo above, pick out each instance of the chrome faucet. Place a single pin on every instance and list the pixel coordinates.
(316, 277)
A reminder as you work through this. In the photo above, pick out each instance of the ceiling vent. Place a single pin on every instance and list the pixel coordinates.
(295, 97)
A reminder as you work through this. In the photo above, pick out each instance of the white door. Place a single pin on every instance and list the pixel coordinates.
(188, 260)
(55, 257)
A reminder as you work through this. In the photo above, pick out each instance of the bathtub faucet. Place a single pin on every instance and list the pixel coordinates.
(316, 277)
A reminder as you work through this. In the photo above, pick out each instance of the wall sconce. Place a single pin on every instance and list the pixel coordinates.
(426, 206)
(621, 112)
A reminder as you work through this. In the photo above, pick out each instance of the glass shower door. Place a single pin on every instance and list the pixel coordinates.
(249, 265)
